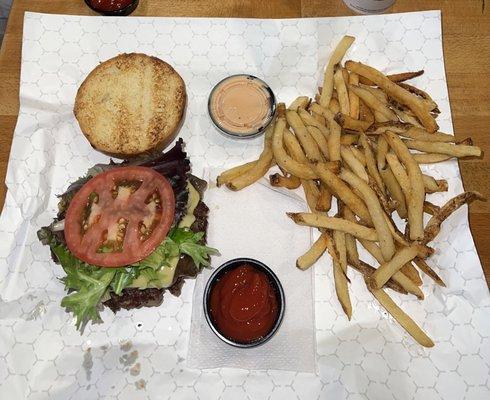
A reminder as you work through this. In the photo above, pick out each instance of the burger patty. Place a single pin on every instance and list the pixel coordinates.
(153, 297)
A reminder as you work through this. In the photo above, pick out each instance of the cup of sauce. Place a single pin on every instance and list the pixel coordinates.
(113, 7)
(242, 106)
(244, 302)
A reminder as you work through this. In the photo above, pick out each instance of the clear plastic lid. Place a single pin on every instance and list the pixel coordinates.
(242, 106)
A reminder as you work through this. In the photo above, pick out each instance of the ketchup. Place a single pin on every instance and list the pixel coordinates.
(110, 5)
(243, 304)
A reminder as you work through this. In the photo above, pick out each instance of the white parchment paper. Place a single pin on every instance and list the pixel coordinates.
(41, 354)
(251, 223)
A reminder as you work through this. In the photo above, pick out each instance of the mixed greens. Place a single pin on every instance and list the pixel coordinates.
(88, 285)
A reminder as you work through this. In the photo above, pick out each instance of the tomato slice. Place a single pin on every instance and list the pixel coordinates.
(120, 216)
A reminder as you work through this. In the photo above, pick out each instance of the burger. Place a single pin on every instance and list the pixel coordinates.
(128, 231)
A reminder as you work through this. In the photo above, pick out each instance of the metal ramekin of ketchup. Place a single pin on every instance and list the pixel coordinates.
(242, 106)
(113, 7)
(244, 302)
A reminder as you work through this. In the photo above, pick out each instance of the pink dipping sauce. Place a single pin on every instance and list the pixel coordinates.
(242, 106)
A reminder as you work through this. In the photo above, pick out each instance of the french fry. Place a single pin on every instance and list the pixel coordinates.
(405, 76)
(403, 319)
(350, 241)
(395, 190)
(430, 208)
(320, 140)
(324, 201)
(468, 141)
(353, 98)
(406, 117)
(347, 122)
(293, 147)
(379, 117)
(283, 160)
(334, 106)
(259, 169)
(309, 145)
(378, 93)
(424, 267)
(432, 185)
(377, 215)
(415, 202)
(400, 77)
(334, 137)
(312, 194)
(313, 254)
(334, 223)
(389, 268)
(315, 120)
(335, 58)
(386, 205)
(342, 192)
(352, 254)
(454, 150)
(358, 154)
(347, 139)
(381, 152)
(234, 172)
(288, 182)
(411, 273)
(434, 225)
(319, 118)
(345, 75)
(299, 102)
(397, 92)
(353, 163)
(371, 162)
(366, 270)
(400, 174)
(340, 277)
(430, 158)
(340, 245)
(339, 273)
(365, 113)
(410, 131)
(397, 277)
(374, 103)
(340, 86)
(309, 186)
(430, 104)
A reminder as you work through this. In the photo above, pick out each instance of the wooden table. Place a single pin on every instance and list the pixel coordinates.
(466, 34)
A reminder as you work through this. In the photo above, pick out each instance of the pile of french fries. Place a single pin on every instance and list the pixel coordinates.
(362, 142)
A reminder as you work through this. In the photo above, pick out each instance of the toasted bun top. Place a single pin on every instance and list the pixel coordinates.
(130, 104)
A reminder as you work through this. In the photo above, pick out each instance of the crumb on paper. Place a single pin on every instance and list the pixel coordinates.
(38, 310)
(135, 369)
(104, 348)
(128, 359)
(140, 385)
(126, 345)
(88, 363)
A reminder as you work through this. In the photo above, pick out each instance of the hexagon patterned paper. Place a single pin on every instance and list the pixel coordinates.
(141, 354)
